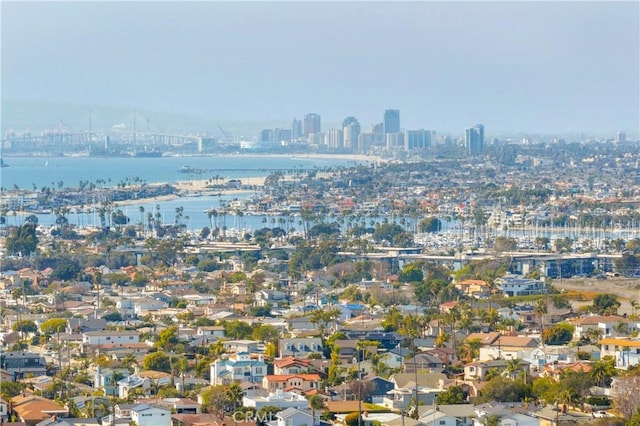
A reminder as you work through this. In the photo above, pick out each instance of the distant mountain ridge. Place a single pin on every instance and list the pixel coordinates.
(37, 116)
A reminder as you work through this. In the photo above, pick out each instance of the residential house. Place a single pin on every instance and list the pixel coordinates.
(477, 289)
(435, 417)
(509, 347)
(107, 379)
(602, 326)
(428, 386)
(273, 298)
(59, 421)
(32, 409)
(558, 371)
(19, 364)
(387, 341)
(143, 380)
(448, 356)
(148, 415)
(293, 417)
(279, 398)
(237, 346)
(379, 387)
(462, 413)
(300, 347)
(395, 357)
(80, 325)
(213, 331)
(478, 370)
(515, 285)
(104, 337)
(241, 367)
(290, 382)
(625, 350)
(551, 354)
(424, 363)
(291, 365)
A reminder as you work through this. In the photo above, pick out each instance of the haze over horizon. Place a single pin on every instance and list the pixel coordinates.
(513, 66)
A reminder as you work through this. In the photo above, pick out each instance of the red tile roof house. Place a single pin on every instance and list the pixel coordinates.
(291, 382)
(290, 365)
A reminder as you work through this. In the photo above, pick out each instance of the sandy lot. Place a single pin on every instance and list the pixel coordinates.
(627, 289)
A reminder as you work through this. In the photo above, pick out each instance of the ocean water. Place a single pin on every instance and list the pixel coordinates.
(27, 172)
(30, 172)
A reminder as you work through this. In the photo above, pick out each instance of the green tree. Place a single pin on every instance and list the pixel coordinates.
(157, 361)
(53, 326)
(23, 240)
(605, 304)
(267, 334)
(10, 389)
(453, 395)
(167, 338)
(237, 329)
(411, 273)
(315, 403)
(559, 334)
(25, 326)
(503, 390)
(430, 224)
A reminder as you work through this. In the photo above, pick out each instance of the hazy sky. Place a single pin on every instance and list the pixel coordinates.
(530, 66)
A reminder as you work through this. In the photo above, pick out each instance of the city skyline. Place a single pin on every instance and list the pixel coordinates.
(517, 67)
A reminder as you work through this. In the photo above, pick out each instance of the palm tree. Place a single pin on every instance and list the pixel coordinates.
(315, 403)
(442, 339)
(541, 309)
(235, 393)
(471, 348)
(513, 367)
(128, 360)
(635, 305)
(492, 420)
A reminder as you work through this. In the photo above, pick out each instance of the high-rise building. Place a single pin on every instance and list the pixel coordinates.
(296, 129)
(351, 133)
(392, 121)
(621, 137)
(334, 139)
(378, 131)
(348, 121)
(311, 124)
(417, 139)
(474, 140)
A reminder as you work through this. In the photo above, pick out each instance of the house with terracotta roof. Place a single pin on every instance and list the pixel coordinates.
(32, 409)
(558, 371)
(477, 289)
(290, 365)
(291, 382)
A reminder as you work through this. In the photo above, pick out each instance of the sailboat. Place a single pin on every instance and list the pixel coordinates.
(3, 164)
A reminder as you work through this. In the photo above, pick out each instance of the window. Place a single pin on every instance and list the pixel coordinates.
(442, 422)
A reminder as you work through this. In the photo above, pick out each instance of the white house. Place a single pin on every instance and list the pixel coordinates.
(278, 398)
(110, 336)
(240, 367)
(292, 417)
(300, 347)
(625, 350)
(514, 285)
(147, 415)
